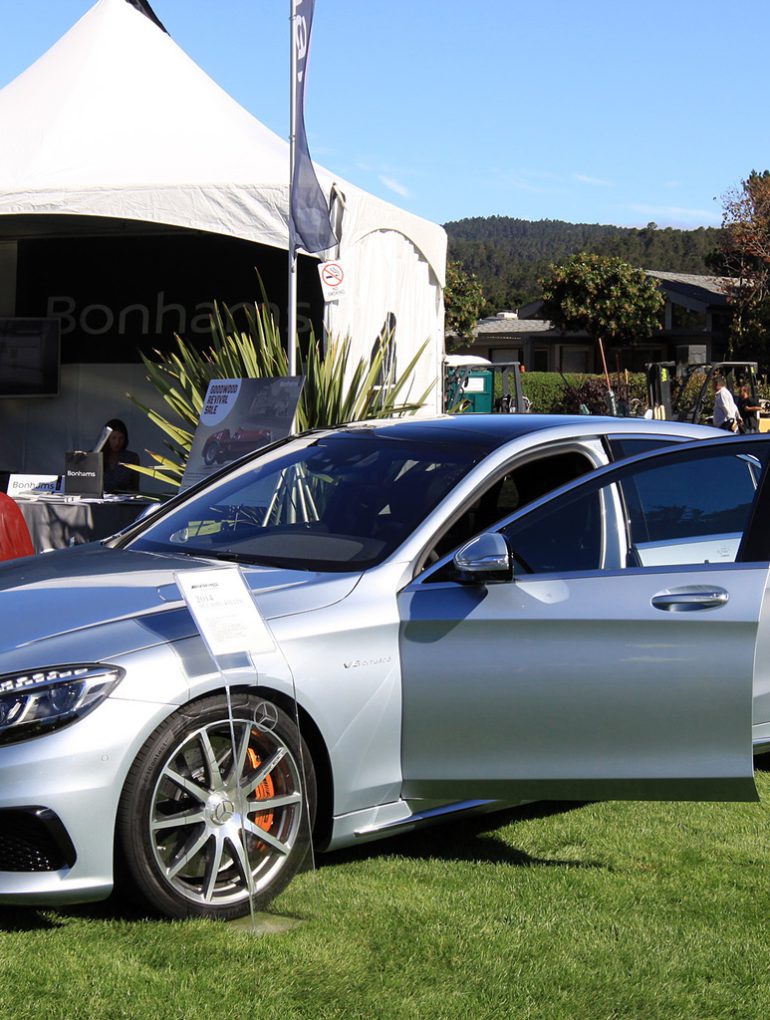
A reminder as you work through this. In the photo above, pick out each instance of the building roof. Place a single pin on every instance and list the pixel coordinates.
(692, 290)
(509, 324)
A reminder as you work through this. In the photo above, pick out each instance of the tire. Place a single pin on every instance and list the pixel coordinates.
(181, 828)
(210, 453)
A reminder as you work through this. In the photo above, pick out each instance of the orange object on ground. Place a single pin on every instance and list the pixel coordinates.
(14, 533)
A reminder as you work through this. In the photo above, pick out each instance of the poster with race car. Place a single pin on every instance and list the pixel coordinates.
(237, 417)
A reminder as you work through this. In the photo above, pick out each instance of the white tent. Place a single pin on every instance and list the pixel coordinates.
(116, 121)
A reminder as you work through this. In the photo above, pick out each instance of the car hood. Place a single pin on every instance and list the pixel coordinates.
(45, 598)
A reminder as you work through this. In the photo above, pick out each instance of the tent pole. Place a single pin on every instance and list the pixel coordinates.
(291, 331)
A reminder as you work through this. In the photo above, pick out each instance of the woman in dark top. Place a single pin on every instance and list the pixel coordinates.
(118, 477)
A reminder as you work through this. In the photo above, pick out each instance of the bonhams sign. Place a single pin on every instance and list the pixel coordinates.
(116, 296)
(156, 318)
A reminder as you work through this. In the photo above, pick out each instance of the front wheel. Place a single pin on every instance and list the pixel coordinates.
(213, 809)
(210, 452)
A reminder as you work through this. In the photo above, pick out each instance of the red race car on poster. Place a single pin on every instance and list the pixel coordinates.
(225, 445)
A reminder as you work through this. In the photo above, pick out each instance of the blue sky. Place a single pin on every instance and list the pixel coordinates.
(592, 111)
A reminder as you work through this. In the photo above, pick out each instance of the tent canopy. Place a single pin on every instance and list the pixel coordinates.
(116, 120)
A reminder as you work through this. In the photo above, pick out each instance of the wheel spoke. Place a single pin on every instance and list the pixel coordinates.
(243, 750)
(212, 868)
(265, 837)
(215, 776)
(187, 784)
(238, 854)
(191, 817)
(270, 803)
(183, 856)
(259, 776)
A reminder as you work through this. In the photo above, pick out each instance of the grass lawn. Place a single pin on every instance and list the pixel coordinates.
(554, 911)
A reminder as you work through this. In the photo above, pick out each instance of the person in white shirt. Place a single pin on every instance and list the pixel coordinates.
(726, 414)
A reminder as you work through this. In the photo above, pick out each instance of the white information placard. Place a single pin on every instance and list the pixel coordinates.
(224, 611)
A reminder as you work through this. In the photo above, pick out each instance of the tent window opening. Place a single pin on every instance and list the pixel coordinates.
(384, 347)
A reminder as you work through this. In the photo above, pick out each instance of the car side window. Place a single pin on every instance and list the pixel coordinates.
(520, 486)
(693, 512)
(683, 510)
(559, 538)
(622, 447)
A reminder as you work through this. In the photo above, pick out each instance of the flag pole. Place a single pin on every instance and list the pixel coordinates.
(292, 299)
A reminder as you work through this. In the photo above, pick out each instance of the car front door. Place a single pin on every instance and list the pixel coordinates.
(618, 662)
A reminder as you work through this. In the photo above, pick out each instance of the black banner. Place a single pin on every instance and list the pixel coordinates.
(309, 224)
(114, 296)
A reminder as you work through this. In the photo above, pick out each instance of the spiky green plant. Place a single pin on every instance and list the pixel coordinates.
(332, 392)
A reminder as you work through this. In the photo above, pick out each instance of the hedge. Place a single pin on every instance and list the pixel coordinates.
(549, 392)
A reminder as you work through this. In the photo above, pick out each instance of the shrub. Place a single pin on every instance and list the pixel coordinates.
(337, 388)
(555, 393)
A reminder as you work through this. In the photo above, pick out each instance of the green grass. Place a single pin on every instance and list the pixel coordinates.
(599, 911)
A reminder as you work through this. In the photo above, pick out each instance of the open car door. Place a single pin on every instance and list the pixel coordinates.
(608, 653)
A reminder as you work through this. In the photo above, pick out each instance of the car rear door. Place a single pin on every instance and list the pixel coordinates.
(601, 670)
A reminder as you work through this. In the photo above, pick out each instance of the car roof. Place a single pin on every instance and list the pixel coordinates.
(492, 430)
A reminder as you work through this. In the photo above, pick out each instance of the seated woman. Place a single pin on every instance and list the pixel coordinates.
(14, 533)
(118, 477)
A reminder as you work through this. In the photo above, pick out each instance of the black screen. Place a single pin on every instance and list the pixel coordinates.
(29, 357)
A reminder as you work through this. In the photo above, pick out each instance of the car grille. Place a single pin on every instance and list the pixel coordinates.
(34, 839)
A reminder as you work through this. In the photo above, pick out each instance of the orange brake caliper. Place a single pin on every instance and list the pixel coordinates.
(263, 791)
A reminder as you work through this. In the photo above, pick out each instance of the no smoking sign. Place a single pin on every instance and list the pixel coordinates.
(332, 279)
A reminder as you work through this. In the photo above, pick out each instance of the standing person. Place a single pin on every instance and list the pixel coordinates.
(115, 454)
(726, 415)
(748, 410)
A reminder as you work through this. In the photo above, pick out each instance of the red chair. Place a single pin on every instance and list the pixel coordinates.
(14, 533)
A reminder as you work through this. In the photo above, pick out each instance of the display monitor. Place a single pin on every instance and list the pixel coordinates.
(30, 357)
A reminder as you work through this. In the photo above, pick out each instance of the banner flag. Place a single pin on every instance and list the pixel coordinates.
(309, 223)
(144, 7)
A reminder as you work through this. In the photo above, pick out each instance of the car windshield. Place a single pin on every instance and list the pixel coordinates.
(338, 502)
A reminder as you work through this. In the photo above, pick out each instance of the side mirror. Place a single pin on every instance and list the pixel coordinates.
(485, 559)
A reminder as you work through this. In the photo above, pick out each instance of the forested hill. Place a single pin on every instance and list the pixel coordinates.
(509, 255)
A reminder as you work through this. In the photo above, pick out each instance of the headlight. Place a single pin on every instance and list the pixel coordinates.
(34, 703)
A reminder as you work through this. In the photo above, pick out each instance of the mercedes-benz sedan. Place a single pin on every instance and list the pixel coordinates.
(458, 614)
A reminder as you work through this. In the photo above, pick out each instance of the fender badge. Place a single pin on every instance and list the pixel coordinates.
(355, 663)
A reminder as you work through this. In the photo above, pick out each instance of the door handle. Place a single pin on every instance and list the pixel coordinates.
(688, 600)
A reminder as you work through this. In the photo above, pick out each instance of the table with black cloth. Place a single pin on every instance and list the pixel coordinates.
(56, 521)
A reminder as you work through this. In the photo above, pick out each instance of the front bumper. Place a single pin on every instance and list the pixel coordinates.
(76, 775)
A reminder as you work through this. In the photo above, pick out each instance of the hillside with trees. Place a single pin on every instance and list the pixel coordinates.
(508, 256)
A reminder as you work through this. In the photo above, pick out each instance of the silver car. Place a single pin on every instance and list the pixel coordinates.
(461, 613)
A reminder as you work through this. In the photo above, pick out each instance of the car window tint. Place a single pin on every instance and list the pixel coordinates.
(628, 446)
(516, 489)
(562, 537)
(342, 502)
(669, 511)
(690, 512)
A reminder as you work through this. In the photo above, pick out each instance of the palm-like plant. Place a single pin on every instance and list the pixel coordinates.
(332, 392)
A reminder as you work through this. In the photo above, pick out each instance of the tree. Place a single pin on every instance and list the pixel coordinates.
(463, 301)
(614, 303)
(744, 256)
(510, 255)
